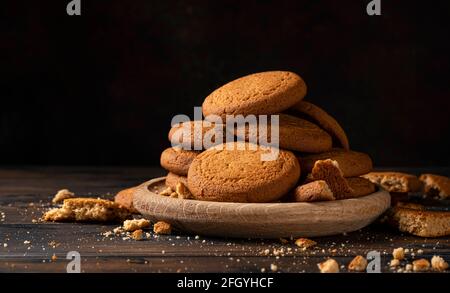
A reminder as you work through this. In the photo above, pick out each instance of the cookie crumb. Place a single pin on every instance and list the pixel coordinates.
(421, 265)
(329, 266)
(358, 264)
(136, 224)
(438, 263)
(263, 270)
(305, 243)
(408, 267)
(162, 227)
(182, 191)
(137, 235)
(166, 192)
(398, 253)
(273, 267)
(394, 263)
(61, 195)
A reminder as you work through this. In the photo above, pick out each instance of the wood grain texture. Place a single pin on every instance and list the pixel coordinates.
(26, 192)
(260, 220)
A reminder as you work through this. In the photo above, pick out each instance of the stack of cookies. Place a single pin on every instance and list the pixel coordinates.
(313, 163)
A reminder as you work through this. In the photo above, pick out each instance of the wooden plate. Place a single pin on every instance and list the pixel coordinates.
(259, 220)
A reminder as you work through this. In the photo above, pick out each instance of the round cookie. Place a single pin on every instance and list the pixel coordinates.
(173, 179)
(351, 163)
(177, 160)
(260, 93)
(295, 134)
(196, 132)
(236, 173)
(325, 120)
(361, 186)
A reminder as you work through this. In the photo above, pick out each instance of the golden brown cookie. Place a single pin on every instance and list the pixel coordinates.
(360, 186)
(259, 93)
(325, 120)
(294, 134)
(329, 171)
(191, 135)
(436, 185)
(88, 210)
(173, 179)
(125, 199)
(351, 163)
(313, 191)
(395, 181)
(237, 174)
(177, 160)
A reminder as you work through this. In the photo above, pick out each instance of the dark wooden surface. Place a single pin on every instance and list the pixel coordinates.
(25, 193)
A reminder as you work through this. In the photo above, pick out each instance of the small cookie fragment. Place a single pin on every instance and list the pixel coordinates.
(329, 171)
(398, 253)
(135, 224)
(358, 264)
(421, 265)
(61, 195)
(173, 179)
(182, 191)
(166, 192)
(395, 181)
(305, 243)
(329, 266)
(162, 227)
(394, 263)
(436, 185)
(137, 235)
(313, 191)
(438, 263)
(125, 198)
(88, 210)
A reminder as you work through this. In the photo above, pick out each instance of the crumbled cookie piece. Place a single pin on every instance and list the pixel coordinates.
(273, 267)
(305, 243)
(358, 264)
(398, 253)
(436, 185)
(313, 191)
(137, 235)
(395, 181)
(408, 267)
(182, 191)
(166, 192)
(438, 263)
(329, 171)
(394, 263)
(88, 210)
(421, 265)
(61, 195)
(136, 224)
(329, 266)
(162, 227)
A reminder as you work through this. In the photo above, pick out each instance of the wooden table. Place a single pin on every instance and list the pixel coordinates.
(28, 245)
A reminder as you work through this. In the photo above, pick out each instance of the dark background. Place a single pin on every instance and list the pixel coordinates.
(101, 88)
